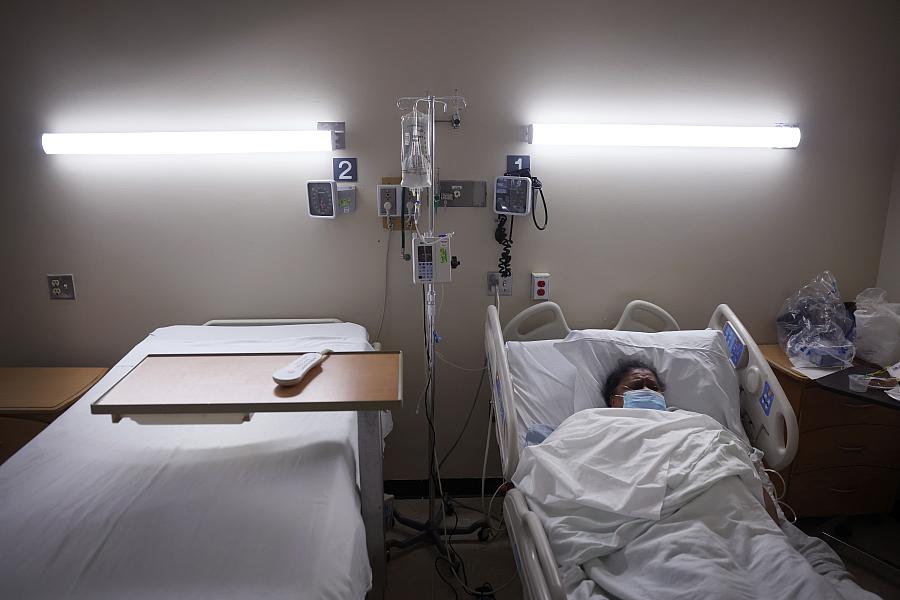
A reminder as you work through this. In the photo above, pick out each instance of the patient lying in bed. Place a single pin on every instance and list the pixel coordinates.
(636, 384)
(664, 504)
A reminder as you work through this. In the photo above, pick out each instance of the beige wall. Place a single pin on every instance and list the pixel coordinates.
(889, 268)
(156, 241)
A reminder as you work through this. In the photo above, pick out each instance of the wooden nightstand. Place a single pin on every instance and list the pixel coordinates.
(848, 460)
(31, 397)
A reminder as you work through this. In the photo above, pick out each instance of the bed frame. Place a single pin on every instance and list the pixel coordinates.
(766, 414)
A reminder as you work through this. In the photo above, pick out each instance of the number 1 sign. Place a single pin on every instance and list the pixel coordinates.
(517, 162)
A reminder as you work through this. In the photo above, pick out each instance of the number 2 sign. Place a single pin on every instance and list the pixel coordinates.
(343, 169)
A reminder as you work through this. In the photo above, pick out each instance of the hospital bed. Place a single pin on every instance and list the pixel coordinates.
(270, 508)
(536, 388)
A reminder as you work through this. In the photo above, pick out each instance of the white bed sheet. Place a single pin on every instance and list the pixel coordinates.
(265, 509)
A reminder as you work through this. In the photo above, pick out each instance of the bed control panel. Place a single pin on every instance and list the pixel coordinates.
(767, 399)
(737, 349)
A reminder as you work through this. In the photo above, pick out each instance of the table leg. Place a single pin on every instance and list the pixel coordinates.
(371, 484)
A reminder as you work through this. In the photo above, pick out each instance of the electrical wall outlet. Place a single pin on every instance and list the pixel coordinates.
(540, 286)
(494, 279)
(62, 287)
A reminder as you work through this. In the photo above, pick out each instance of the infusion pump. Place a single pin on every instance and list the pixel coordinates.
(432, 262)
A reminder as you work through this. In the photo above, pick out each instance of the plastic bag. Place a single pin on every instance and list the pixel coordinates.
(877, 328)
(814, 325)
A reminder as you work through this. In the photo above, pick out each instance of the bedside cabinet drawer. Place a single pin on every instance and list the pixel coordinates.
(821, 408)
(843, 491)
(869, 445)
(15, 433)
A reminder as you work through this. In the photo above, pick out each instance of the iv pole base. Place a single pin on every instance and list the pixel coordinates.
(431, 532)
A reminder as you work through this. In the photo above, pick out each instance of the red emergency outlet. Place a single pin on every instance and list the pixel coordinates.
(540, 286)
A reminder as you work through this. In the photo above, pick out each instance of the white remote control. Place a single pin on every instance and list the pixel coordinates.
(297, 370)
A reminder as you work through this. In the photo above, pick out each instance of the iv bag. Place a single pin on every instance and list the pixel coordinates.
(415, 154)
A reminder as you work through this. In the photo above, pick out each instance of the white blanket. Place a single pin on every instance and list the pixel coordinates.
(652, 504)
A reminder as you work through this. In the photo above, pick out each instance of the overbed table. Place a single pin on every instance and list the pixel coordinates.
(216, 388)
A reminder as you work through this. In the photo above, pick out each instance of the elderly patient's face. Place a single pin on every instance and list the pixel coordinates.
(635, 379)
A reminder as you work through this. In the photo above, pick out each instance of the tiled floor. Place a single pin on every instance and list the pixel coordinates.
(412, 576)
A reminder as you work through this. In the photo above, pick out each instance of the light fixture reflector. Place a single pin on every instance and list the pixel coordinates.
(696, 136)
(187, 142)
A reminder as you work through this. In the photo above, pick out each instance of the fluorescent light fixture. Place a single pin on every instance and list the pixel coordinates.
(187, 142)
(696, 136)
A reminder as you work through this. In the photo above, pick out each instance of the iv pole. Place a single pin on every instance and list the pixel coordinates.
(432, 530)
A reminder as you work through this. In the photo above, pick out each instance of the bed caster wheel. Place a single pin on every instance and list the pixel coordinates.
(484, 534)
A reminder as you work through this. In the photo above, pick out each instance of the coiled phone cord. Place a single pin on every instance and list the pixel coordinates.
(505, 263)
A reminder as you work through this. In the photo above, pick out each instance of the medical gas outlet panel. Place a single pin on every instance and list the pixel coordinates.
(389, 200)
(432, 262)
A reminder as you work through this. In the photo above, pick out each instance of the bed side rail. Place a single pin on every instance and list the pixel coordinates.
(634, 318)
(534, 558)
(501, 393)
(555, 328)
(767, 415)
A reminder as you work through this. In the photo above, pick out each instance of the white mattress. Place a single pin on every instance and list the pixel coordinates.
(265, 509)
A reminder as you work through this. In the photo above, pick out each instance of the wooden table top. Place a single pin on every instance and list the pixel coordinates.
(780, 362)
(242, 383)
(44, 389)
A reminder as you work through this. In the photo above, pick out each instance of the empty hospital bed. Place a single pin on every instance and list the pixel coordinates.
(534, 384)
(265, 509)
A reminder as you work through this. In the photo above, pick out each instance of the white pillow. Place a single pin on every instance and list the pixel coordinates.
(543, 384)
(693, 365)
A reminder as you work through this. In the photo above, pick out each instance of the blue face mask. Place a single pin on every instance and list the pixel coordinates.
(643, 398)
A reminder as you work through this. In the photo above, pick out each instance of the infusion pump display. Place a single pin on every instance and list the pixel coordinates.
(322, 196)
(512, 195)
